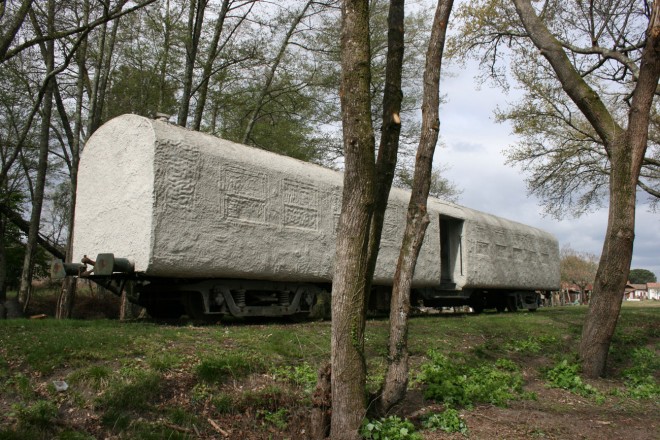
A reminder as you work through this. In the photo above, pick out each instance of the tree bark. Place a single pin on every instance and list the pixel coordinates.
(396, 379)
(390, 130)
(626, 159)
(37, 202)
(195, 22)
(3, 261)
(67, 296)
(626, 150)
(208, 65)
(349, 280)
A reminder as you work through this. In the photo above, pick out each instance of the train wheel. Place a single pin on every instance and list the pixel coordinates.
(511, 304)
(194, 306)
(477, 302)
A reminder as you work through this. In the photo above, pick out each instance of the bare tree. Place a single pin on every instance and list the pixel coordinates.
(396, 379)
(40, 183)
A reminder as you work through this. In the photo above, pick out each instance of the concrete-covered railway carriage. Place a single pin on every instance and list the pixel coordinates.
(189, 223)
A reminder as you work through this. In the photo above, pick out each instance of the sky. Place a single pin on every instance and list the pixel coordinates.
(473, 150)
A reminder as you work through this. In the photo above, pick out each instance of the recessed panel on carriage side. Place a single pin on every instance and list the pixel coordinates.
(503, 254)
(226, 210)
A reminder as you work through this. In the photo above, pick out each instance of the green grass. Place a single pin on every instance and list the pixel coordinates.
(146, 380)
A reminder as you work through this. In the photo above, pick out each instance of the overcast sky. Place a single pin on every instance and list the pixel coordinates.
(473, 150)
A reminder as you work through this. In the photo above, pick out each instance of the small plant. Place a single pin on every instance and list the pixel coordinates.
(529, 345)
(277, 419)
(461, 384)
(40, 415)
(302, 375)
(565, 376)
(449, 421)
(390, 428)
(164, 362)
(640, 382)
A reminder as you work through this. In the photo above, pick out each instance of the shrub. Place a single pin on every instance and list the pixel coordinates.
(461, 384)
(390, 428)
(565, 376)
(449, 421)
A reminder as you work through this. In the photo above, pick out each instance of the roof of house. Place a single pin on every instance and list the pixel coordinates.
(653, 285)
(639, 286)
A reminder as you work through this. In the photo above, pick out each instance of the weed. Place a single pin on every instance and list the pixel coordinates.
(40, 414)
(302, 375)
(640, 382)
(164, 362)
(277, 419)
(461, 384)
(223, 403)
(96, 376)
(20, 385)
(565, 376)
(390, 428)
(449, 421)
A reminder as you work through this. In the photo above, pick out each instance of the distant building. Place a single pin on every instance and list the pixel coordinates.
(635, 292)
(653, 290)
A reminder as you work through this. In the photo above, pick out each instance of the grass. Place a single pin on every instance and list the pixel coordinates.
(146, 380)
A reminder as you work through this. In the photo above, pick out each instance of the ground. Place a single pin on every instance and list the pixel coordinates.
(253, 380)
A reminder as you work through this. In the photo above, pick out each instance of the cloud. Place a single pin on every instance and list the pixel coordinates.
(474, 144)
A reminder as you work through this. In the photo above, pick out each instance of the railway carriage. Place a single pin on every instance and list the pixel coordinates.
(185, 222)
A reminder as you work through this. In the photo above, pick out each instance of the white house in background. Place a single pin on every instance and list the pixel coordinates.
(653, 290)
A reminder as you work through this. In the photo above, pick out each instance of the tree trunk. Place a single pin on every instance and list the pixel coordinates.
(254, 115)
(396, 379)
(321, 405)
(195, 21)
(3, 261)
(37, 202)
(626, 161)
(391, 129)
(626, 150)
(208, 65)
(68, 293)
(349, 280)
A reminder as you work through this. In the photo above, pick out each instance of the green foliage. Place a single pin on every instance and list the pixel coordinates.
(139, 91)
(390, 428)
(449, 421)
(640, 380)
(462, 384)
(278, 419)
(641, 276)
(565, 376)
(302, 375)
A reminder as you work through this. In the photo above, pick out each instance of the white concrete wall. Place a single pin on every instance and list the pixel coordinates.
(114, 208)
(181, 203)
